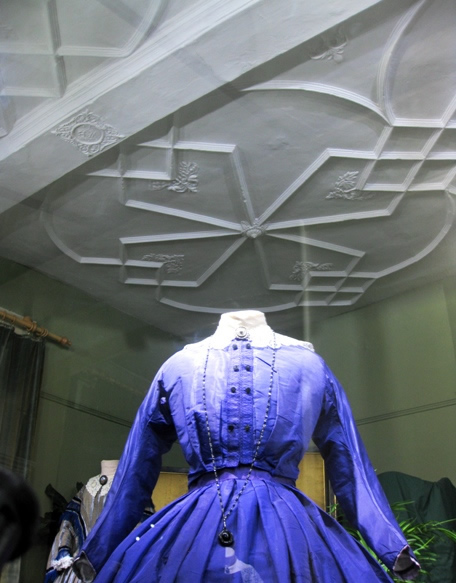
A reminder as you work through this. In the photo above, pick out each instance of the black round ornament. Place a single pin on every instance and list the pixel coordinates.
(103, 480)
(226, 538)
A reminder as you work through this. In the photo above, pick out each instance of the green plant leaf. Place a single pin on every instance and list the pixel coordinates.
(420, 535)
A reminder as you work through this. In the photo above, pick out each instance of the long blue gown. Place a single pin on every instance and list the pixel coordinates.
(280, 535)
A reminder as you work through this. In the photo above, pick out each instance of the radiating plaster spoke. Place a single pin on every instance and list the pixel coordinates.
(161, 210)
(175, 237)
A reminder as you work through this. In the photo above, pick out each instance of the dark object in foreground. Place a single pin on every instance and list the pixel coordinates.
(19, 512)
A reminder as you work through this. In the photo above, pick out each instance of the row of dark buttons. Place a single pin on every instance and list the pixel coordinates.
(247, 367)
(248, 390)
(232, 428)
(248, 346)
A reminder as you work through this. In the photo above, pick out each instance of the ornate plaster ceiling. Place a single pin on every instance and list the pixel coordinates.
(188, 158)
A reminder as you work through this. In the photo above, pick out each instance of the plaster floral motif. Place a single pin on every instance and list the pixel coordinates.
(333, 50)
(186, 179)
(253, 230)
(345, 187)
(88, 132)
(172, 263)
(302, 268)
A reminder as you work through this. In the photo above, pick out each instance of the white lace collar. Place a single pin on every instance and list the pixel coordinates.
(94, 487)
(253, 324)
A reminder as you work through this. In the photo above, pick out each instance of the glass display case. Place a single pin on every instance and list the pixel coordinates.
(166, 162)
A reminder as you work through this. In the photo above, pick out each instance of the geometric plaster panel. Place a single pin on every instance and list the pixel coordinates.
(437, 74)
(284, 258)
(411, 140)
(127, 24)
(208, 223)
(390, 174)
(301, 183)
(445, 145)
(48, 45)
(434, 174)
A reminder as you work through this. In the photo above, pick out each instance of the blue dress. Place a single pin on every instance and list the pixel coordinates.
(280, 535)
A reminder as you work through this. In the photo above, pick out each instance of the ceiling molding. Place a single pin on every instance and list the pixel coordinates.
(210, 61)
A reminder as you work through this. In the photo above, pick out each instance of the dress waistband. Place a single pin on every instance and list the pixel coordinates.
(239, 473)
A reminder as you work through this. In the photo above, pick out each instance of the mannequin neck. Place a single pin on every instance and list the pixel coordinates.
(109, 467)
(233, 325)
(250, 319)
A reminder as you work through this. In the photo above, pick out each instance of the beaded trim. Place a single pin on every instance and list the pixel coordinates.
(226, 537)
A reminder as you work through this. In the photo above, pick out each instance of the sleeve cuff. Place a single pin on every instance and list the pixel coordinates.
(62, 563)
(84, 568)
(406, 566)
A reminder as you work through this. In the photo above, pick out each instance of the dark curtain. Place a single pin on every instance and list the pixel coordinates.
(21, 368)
(431, 501)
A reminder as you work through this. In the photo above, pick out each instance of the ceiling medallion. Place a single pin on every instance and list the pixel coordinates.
(253, 230)
(88, 132)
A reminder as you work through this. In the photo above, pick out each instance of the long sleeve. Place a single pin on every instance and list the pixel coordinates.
(355, 483)
(151, 435)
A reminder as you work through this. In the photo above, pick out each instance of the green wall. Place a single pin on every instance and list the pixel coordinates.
(90, 391)
(396, 360)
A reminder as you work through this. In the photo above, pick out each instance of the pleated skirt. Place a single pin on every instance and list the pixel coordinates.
(280, 537)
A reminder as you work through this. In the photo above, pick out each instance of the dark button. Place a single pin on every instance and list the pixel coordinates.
(247, 428)
(248, 390)
(230, 427)
(235, 346)
(235, 368)
(233, 389)
(248, 345)
(248, 367)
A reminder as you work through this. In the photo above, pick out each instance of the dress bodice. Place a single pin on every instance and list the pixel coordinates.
(238, 381)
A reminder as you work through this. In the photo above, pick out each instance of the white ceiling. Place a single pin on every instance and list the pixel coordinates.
(180, 158)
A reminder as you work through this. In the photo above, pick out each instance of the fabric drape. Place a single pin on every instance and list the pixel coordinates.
(21, 369)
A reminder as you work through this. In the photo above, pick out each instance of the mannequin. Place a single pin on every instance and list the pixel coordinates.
(109, 467)
(76, 522)
(244, 404)
(104, 479)
(254, 322)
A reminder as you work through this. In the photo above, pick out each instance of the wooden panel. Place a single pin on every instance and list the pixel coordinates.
(311, 481)
(170, 486)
